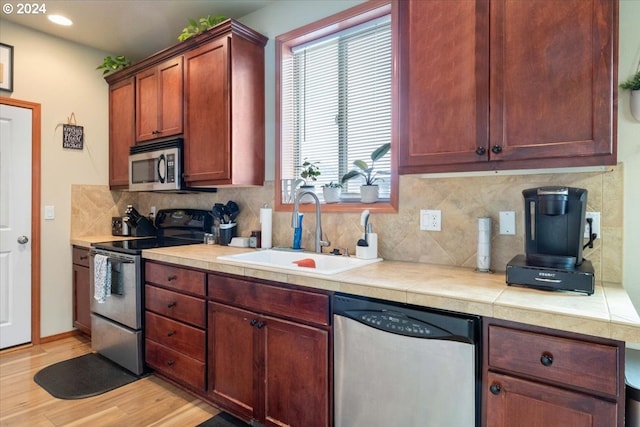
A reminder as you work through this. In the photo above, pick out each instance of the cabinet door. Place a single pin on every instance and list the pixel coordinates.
(121, 131)
(159, 101)
(207, 114)
(232, 344)
(81, 299)
(444, 83)
(512, 402)
(296, 366)
(551, 80)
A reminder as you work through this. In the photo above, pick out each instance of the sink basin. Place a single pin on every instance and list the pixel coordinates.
(321, 264)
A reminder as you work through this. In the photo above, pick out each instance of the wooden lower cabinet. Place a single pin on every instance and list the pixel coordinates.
(175, 324)
(81, 290)
(264, 367)
(537, 377)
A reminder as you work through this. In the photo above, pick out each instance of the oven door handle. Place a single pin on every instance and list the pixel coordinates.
(112, 256)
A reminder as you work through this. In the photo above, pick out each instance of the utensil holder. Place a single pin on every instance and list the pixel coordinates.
(227, 232)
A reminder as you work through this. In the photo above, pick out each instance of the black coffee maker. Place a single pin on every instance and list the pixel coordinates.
(554, 228)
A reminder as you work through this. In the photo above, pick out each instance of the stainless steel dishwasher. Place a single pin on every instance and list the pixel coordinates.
(400, 365)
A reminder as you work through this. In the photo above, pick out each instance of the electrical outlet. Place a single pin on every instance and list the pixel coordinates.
(430, 220)
(152, 214)
(595, 225)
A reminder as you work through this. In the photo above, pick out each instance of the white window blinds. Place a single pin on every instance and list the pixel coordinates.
(336, 103)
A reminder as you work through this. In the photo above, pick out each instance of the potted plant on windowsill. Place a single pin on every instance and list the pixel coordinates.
(369, 191)
(633, 84)
(331, 192)
(310, 171)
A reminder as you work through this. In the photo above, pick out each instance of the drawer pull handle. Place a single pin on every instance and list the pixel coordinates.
(170, 362)
(84, 257)
(546, 359)
(171, 304)
(171, 278)
(495, 388)
(171, 333)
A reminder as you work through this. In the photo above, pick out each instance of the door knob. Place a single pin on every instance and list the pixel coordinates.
(23, 240)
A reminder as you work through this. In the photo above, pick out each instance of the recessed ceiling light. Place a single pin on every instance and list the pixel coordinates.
(60, 20)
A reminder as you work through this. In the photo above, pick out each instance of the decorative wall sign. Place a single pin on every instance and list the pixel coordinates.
(72, 135)
(6, 67)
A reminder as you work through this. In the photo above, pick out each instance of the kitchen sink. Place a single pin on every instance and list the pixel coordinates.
(309, 261)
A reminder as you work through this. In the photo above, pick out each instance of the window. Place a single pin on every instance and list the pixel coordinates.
(335, 96)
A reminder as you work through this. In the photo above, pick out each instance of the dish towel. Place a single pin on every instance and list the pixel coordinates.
(102, 278)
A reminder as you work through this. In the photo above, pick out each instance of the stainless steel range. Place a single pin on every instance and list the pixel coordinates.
(117, 281)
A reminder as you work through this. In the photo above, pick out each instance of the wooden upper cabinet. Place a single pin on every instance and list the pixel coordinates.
(159, 98)
(444, 84)
(552, 93)
(507, 84)
(121, 131)
(224, 110)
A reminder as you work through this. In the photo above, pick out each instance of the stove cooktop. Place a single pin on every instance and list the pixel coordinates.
(135, 246)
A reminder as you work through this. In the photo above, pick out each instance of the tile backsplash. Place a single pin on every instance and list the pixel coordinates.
(460, 199)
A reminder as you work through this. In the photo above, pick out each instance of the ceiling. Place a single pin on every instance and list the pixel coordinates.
(134, 28)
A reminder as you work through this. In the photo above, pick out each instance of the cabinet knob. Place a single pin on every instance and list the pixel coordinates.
(171, 333)
(260, 325)
(495, 388)
(171, 278)
(171, 304)
(481, 151)
(496, 149)
(155, 132)
(253, 322)
(546, 359)
(170, 362)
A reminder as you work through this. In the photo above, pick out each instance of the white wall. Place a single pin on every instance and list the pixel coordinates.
(61, 76)
(629, 146)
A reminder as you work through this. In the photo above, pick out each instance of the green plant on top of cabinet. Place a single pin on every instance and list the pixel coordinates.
(516, 85)
(159, 101)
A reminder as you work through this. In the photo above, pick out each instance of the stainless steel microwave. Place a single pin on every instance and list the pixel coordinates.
(156, 166)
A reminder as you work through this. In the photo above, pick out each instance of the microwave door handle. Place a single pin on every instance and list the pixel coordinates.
(162, 176)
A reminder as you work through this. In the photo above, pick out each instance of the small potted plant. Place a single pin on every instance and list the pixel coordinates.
(112, 64)
(331, 192)
(633, 84)
(310, 171)
(203, 24)
(369, 190)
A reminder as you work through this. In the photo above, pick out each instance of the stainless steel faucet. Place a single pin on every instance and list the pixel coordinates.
(294, 219)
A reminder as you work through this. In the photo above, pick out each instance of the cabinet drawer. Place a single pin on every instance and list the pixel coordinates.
(80, 256)
(175, 335)
(175, 365)
(178, 278)
(301, 305)
(176, 306)
(575, 363)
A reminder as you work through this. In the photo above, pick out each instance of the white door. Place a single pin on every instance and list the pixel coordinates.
(15, 225)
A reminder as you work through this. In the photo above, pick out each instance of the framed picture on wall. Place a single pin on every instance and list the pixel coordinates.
(6, 67)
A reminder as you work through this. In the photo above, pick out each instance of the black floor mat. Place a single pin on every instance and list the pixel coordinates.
(83, 376)
(223, 420)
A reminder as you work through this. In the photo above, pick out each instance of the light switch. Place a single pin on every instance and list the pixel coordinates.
(49, 212)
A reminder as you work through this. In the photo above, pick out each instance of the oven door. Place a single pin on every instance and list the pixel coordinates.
(123, 303)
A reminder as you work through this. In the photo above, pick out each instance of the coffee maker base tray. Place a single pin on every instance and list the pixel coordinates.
(581, 279)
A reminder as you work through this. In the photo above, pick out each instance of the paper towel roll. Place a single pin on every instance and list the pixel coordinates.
(484, 244)
(266, 215)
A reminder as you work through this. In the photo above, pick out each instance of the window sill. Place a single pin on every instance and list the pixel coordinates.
(383, 206)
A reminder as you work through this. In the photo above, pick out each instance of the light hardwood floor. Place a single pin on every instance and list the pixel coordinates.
(147, 402)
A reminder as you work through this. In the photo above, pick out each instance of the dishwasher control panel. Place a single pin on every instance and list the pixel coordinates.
(397, 323)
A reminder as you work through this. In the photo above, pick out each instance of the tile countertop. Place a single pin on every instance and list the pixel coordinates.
(607, 313)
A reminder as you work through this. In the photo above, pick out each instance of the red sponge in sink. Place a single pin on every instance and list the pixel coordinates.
(306, 262)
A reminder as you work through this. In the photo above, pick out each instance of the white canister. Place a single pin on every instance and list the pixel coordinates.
(483, 262)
